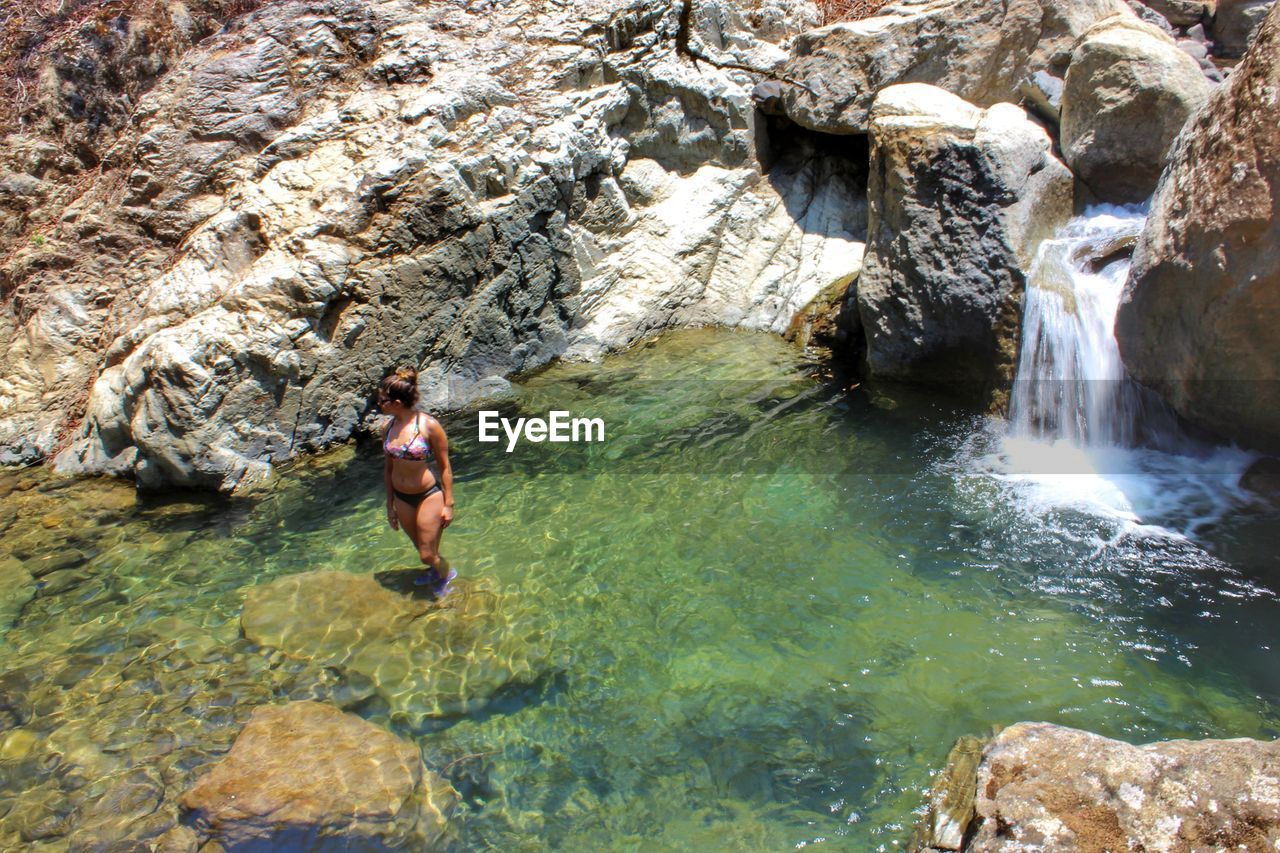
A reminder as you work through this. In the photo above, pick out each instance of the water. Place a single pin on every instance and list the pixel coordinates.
(763, 609)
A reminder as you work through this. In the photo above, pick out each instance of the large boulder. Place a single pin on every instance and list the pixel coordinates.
(424, 659)
(308, 776)
(1234, 24)
(1196, 321)
(1128, 92)
(1048, 787)
(976, 49)
(960, 196)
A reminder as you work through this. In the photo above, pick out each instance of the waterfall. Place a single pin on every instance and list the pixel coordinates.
(1082, 435)
(1071, 384)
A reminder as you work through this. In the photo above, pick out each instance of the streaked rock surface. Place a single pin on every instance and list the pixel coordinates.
(1197, 318)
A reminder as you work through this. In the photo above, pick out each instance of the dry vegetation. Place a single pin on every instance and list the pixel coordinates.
(849, 10)
(34, 31)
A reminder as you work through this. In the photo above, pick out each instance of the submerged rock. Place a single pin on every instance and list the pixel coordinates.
(950, 808)
(1048, 787)
(976, 49)
(425, 659)
(960, 197)
(1196, 321)
(308, 775)
(1128, 92)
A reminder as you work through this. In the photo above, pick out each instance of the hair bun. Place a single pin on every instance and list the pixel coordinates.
(407, 373)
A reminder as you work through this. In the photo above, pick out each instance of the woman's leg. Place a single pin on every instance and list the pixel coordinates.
(408, 516)
(429, 526)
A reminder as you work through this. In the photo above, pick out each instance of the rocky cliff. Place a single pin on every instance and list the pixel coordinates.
(327, 188)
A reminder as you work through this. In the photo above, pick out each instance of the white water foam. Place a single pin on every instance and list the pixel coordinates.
(1081, 435)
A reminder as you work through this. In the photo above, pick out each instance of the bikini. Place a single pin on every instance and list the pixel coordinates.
(419, 450)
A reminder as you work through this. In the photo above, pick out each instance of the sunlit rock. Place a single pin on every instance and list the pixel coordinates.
(1056, 788)
(1128, 92)
(308, 774)
(975, 49)
(1197, 318)
(960, 197)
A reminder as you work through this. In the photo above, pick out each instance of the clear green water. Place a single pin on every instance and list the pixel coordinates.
(773, 607)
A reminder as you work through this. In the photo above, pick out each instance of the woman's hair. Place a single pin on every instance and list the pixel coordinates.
(401, 386)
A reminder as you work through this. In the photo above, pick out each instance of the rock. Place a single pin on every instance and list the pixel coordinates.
(951, 798)
(960, 197)
(1128, 92)
(333, 186)
(308, 775)
(1182, 13)
(426, 660)
(1049, 787)
(1195, 322)
(1042, 92)
(1262, 477)
(1235, 23)
(978, 50)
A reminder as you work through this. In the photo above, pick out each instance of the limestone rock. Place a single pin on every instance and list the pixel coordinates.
(1128, 92)
(959, 197)
(1235, 23)
(1049, 787)
(1196, 321)
(424, 659)
(333, 186)
(1182, 13)
(978, 50)
(308, 775)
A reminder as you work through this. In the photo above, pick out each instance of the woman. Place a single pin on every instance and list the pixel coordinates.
(419, 501)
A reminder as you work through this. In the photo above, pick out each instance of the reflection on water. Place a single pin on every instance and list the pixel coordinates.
(756, 616)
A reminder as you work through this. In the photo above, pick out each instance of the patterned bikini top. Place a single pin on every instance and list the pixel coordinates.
(417, 447)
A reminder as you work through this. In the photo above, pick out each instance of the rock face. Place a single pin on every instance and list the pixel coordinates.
(1197, 318)
(1182, 13)
(423, 659)
(959, 198)
(331, 187)
(978, 50)
(1048, 787)
(1235, 23)
(1128, 92)
(305, 774)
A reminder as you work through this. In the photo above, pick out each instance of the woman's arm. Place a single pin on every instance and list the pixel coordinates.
(392, 519)
(440, 449)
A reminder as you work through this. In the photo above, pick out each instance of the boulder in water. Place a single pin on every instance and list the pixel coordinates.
(976, 49)
(1128, 92)
(1197, 318)
(960, 196)
(1048, 787)
(308, 775)
(424, 659)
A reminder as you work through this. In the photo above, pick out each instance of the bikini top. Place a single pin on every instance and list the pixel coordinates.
(417, 447)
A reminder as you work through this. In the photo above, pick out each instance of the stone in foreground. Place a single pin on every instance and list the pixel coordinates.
(1197, 320)
(1047, 787)
(308, 775)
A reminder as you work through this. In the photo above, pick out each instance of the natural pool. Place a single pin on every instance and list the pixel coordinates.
(771, 606)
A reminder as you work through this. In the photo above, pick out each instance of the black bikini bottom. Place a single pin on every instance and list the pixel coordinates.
(416, 500)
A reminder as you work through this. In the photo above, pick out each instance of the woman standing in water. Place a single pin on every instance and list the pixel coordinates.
(419, 499)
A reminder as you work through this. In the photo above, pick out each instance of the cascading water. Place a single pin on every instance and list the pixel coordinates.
(1081, 434)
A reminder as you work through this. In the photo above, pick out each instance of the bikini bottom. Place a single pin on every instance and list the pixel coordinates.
(416, 500)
